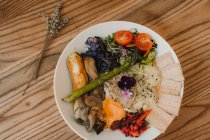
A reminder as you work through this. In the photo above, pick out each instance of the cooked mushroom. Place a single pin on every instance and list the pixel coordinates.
(92, 101)
(92, 119)
(90, 67)
(78, 103)
(86, 123)
(81, 102)
(99, 113)
(77, 113)
(84, 113)
(98, 92)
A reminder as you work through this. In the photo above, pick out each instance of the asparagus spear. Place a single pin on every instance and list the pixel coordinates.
(77, 93)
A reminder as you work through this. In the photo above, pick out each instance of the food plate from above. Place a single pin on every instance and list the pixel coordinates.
(118, 80)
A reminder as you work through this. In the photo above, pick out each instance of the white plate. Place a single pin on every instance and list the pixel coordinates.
(62, 80)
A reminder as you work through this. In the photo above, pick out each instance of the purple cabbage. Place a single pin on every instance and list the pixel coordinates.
(105, 60)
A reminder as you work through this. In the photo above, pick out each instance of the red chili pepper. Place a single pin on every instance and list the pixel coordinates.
(141, 118)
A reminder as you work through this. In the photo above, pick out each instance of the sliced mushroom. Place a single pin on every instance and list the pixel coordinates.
(92, 119)
(86, 123)
(84, 113)
(99, 113)
(90, 67)
(92, 101)
(81, 102)
(98, 92)
(77, 113)
(78, 103)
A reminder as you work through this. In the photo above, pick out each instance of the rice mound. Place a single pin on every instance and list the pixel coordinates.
(144, 92)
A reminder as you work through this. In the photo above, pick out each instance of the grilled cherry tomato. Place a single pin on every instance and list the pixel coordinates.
(143, 42)
(123, 37)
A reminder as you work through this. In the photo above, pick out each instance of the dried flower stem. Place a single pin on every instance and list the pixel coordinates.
(48, 40)
(54, 25)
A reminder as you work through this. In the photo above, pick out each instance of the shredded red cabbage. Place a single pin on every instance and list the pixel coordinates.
(130, 125)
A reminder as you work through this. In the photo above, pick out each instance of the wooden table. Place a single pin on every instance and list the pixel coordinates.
(185, 24)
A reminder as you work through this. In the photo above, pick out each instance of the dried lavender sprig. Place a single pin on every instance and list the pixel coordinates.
(54, 25)
(56, 13)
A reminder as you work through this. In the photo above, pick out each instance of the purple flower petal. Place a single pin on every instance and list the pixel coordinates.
(126, 94)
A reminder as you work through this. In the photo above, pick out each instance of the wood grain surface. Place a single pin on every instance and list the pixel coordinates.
(185, 24)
